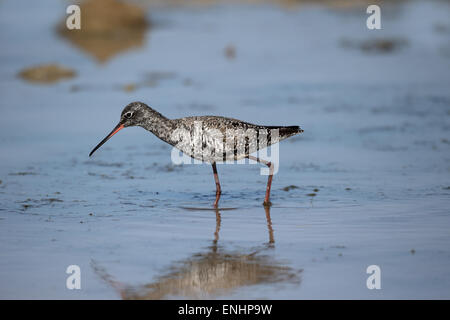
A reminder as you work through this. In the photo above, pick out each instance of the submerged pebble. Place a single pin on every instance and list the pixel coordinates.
(230, 52)
(47, 73)
(22, 173)
(379, 45)
(291, 187)
(129, 87)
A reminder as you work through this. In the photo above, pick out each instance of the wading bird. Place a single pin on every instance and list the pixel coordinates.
(210, 139)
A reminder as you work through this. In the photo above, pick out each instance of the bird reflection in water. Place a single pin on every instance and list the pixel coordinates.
(212, 273)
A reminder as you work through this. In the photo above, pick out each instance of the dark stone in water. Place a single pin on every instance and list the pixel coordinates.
(24, 173)
(51, 200)
(379, 45)
(230, 52)
(288, 188)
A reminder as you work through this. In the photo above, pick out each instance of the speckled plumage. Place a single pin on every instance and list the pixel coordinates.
(208, 138)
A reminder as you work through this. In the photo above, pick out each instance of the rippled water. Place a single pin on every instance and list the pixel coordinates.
(366, 183)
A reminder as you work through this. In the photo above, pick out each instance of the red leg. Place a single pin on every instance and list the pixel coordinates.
(269, 224)
(218, 190)
(269, 180)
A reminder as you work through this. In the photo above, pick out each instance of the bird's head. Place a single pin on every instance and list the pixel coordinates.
(134, 114)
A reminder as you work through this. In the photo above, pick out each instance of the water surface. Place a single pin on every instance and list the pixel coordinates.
(366, 183)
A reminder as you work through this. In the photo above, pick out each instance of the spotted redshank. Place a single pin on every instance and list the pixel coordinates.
(210, 139)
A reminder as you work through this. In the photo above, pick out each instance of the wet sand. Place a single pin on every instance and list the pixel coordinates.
(366, 183)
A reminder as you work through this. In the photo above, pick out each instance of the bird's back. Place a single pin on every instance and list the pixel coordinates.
(216, 138)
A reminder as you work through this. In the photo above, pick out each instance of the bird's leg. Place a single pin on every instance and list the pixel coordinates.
(269, 180)
(269, 225)
(218, 190)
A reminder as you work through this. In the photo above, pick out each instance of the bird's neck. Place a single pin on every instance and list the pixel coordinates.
(158, 124)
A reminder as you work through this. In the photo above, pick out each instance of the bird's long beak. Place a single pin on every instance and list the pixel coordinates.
(113, 132)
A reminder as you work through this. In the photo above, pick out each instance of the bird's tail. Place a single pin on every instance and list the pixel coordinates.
(286, 132)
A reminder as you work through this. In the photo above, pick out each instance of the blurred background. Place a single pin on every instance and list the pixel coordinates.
(368, 182)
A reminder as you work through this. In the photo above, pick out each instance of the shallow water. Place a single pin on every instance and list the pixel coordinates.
(371, 171)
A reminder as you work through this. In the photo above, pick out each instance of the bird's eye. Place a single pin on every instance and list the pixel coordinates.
(128, 115)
